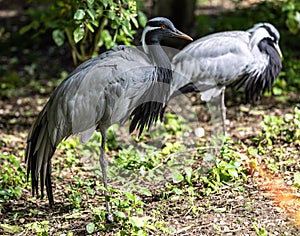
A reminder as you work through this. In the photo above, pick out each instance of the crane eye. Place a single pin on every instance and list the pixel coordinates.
(163, 27)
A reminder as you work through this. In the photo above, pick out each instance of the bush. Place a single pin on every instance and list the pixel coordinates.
(86, 24)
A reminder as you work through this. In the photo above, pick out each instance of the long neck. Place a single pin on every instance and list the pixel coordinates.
(160, 60)
(159, 57)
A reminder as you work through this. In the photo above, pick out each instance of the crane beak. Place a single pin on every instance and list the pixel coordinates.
(179, 34)
(276, 46)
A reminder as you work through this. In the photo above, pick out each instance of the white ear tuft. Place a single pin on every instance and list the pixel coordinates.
(143, 39)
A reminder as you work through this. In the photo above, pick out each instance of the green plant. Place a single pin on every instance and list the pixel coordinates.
(75, 199)
(178, 177)
(297, 179)
(175, 124)
(259, 231)
(291, 9)
(131, 158)
(87, 24)
(285, 128)
(129, 215)
(227, 169)
(41, 228)
(13, 177)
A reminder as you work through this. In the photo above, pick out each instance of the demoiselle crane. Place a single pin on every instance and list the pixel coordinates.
(100, 92)
(209, 64)
(251, 58)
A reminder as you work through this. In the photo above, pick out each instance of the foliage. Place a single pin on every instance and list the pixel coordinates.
(13, 177)
(225, 170)
(87, 24)
(279, 140)
(41, 228)
(175, 124)
(291, 9)
(129, 214)
(137, 210)
(286, 129)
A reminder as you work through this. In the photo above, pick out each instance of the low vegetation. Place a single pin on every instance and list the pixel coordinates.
(148, 179)
(172, 180)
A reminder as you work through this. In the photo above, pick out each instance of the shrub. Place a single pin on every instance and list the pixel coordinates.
(86, 24)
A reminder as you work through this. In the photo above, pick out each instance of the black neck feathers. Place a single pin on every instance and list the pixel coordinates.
(259, 82)
(152, 103)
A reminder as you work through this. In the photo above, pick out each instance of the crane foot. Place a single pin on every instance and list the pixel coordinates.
(109, 218)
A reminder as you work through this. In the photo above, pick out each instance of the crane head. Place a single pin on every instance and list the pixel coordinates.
(262, 31)
(160, 28)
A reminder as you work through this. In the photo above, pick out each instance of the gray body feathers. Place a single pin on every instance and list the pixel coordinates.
(217, 60)
(100, 92)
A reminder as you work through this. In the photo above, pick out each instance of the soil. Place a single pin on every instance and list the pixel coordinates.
(243, 209)
(230, 211)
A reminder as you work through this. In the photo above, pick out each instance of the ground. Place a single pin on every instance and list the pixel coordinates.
(242, 208)
(261, 196)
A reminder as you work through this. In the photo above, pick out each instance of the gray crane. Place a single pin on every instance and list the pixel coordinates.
(100, 92)
(251, 58)
(209, 64)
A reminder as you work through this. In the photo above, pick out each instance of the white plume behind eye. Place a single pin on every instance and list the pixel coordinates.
(258, 35)
(143, 39)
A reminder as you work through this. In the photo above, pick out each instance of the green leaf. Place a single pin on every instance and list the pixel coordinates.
(146, 192)
(91, 13)
(277, 91)
(177, 191)
(188, 171)
(127, 31)
(293, 22)
(58, 37)
(89, 26)
(138, 222)
(297, 178)
(112, 14)
(10, 228)
(95, 23)
(114, 25)
(142, 18)
(130, 196)
(121, 214)
(134, 21)
(288, 6)
(233, 173)
(25, 29)
(91, 2)
(177, 177)
(221, 209)
(78, 34)
(90, 228)
(79, 14)
(105, 3)
(106, 39)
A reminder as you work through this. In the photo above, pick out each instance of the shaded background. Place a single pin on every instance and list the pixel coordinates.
(32, 65)
(31, 60)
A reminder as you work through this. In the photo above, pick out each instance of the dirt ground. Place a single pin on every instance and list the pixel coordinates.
(228, 212)
(231, 211)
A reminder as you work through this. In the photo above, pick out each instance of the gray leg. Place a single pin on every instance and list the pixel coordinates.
(223, 111)
(103, 164)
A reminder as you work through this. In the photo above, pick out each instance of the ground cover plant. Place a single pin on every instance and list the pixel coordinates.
(172, 180)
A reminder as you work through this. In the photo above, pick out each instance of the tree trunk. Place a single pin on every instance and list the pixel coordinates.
(181, 12)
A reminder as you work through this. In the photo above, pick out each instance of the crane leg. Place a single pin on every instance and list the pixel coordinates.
(223, 111)
(103, 164)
